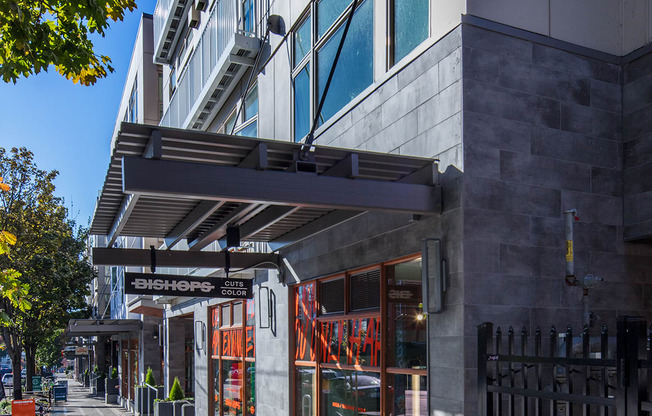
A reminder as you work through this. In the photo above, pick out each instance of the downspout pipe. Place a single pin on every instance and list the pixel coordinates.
(570, 217)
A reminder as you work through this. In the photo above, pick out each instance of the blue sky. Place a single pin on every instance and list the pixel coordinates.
(68, 127)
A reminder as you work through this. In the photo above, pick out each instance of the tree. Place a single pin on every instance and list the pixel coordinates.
(37, 34)
(49, 254)
(48, 351)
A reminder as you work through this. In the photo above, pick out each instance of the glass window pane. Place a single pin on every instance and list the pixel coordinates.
(327, 12)
(230, 122)
(302, 42)
(251, 130)
(232, 390)
(364, 342)
(248, 14)
(407, 395)
(215, 349)
(331, 296)
(232, 343)
(226, 315)
(216, 387)
(335, 342)
(250, 342)
(250, 380)
(251, 104)
(410, 26)
(350, 392)
(406, 322)
(302, 104)
(306, 394)
(305, 314)
(354, 70)
(237, 313)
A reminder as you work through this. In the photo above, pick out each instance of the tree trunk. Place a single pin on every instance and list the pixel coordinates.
(30, 363)
(14, 349)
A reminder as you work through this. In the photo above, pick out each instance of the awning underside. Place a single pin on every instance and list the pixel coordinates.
(93, 327)
(179, 184)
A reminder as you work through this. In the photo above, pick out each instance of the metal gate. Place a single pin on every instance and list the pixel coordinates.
(562, 373)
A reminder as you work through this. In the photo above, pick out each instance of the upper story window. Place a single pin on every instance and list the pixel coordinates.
(315, 44)
(248, 16)
(131, 115)
(409, 26)
(245, 121)
(403, 24)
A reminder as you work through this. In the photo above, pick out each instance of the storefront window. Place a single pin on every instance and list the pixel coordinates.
(406, 322)
(407, 395)
(250, 380)
(232, 388)
(345, 377)
(345, 392)
(305, 393)
(233, 353)
(305, 315)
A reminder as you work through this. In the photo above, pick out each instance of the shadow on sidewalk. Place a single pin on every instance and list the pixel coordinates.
(81, 402)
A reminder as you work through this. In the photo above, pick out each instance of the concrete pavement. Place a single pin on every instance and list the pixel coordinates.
(81, 403)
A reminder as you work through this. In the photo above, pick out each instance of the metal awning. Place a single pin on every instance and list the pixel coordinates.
(93, 327)
(181, 184)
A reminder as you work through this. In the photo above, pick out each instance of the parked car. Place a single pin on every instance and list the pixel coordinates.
(8, 380)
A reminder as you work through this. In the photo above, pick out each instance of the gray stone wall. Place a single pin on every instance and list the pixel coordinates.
(417, 111)
(637, 144)
(150, 354)
(542, 134)
(272, 345)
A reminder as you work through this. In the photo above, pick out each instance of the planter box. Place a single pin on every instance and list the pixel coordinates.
(164, 409)
(111, 390)
(188, 410)
(178, 405)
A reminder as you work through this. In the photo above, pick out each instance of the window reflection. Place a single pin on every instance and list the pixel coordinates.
(407, 395)
(354, 71)
(349, 392)
(232, 388)
(306, 395)
(410, 26)
(302, 103)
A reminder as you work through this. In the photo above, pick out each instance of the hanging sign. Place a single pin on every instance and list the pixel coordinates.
(191, 286)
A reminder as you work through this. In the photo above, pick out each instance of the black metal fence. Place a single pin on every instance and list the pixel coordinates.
(562, 373)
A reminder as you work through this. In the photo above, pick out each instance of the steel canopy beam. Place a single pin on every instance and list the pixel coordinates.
(202, 211)
(175, 258)
(214, 182)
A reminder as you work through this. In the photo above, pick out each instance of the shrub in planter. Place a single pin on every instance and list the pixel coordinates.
(149, 378)
(111, 387)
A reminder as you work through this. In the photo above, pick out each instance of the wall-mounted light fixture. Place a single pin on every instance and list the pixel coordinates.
(433, 269)
(200, 335)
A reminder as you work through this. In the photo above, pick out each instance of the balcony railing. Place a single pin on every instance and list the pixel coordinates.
(219, 60)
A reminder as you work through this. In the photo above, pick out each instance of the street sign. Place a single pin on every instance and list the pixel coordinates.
(37, 384)
(60, 393)
(81, 350)
(191, 286)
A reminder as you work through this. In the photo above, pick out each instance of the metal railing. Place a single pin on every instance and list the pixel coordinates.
(565, 373)
(150, 402)
(221, 28)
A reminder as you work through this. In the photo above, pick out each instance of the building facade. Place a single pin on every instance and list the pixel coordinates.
(530, 109)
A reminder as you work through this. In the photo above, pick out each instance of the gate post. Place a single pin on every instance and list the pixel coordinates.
(485, 399)
(631, 337)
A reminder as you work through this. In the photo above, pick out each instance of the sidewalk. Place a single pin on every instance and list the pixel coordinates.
(82, 403)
